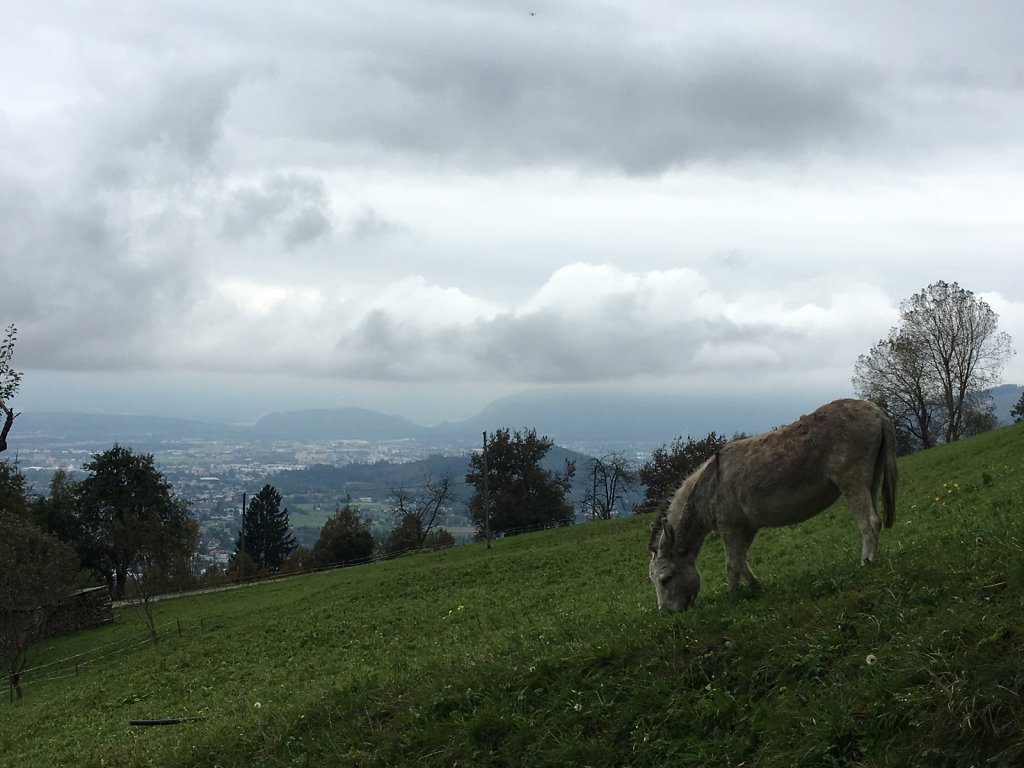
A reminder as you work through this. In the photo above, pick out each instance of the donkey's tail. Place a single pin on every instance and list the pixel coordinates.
(887, 457)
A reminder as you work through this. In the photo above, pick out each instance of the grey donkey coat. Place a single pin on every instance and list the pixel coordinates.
(847, 448)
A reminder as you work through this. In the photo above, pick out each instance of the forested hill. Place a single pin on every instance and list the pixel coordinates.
(322, 478)
(385, 475)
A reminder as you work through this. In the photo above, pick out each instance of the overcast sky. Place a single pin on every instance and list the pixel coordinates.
(236, 207)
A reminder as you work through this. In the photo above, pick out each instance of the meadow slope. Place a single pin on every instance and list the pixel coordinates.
(548, 650)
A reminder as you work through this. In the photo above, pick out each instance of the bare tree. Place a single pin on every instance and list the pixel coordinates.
(416, 513)
(930, 372)
(895, 375)
(611, 478)
(160, 559)
(10, 379)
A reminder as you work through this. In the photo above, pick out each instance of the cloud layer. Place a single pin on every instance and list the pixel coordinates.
(466, 191)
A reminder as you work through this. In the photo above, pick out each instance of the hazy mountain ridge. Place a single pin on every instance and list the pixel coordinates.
(645, 418)
(74, 426)
(565, 417)
(1004, 398)
(337, 423)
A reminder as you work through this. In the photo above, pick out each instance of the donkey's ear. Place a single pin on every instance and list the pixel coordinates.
(658, 531)
(669, 534)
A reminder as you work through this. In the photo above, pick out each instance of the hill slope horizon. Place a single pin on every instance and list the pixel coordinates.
(547, 649)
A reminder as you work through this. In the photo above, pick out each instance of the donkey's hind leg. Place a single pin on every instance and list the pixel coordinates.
(862, 507)
(737, 542)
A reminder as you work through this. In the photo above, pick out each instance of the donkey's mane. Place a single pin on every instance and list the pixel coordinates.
(692, 482)
(658, 523)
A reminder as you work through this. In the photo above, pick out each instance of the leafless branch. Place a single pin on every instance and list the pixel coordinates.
(9, 417)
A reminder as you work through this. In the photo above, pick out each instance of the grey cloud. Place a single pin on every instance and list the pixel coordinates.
(118, 178)
(308, 225)
(385, 349)
(107, 227)
(551, 347)
(626, 109)
(368, 225)
(110, 232)
(248, 211)
(602, 88)
(95, 301)
(732, 260)
(298, 207)
(105, 255)
(638, 89)
(186, 113)
(555, 347)
(160, 128)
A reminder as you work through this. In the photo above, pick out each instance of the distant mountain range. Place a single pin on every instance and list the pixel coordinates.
(91, 427)
(1004, 398)
(573, 418)
(336, 423)
(595, 416)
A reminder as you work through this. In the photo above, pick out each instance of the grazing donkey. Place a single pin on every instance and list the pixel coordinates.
(779, 478)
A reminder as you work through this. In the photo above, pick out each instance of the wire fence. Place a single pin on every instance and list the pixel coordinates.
(75, 664)
(376, 557)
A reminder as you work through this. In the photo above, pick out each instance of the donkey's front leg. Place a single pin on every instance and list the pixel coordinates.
(737, 541)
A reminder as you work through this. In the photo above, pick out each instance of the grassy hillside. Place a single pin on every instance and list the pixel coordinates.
(548, 650)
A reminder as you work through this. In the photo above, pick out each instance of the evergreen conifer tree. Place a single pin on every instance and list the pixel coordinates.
(1017, 412)
(266, 537)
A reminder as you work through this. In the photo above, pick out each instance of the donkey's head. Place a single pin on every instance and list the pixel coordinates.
(677, 536)
(673, 568)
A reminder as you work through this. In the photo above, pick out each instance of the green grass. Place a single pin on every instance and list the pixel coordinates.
(315, 515)
(548, 650)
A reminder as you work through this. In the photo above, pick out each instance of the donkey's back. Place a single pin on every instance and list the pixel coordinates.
(846, 448)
